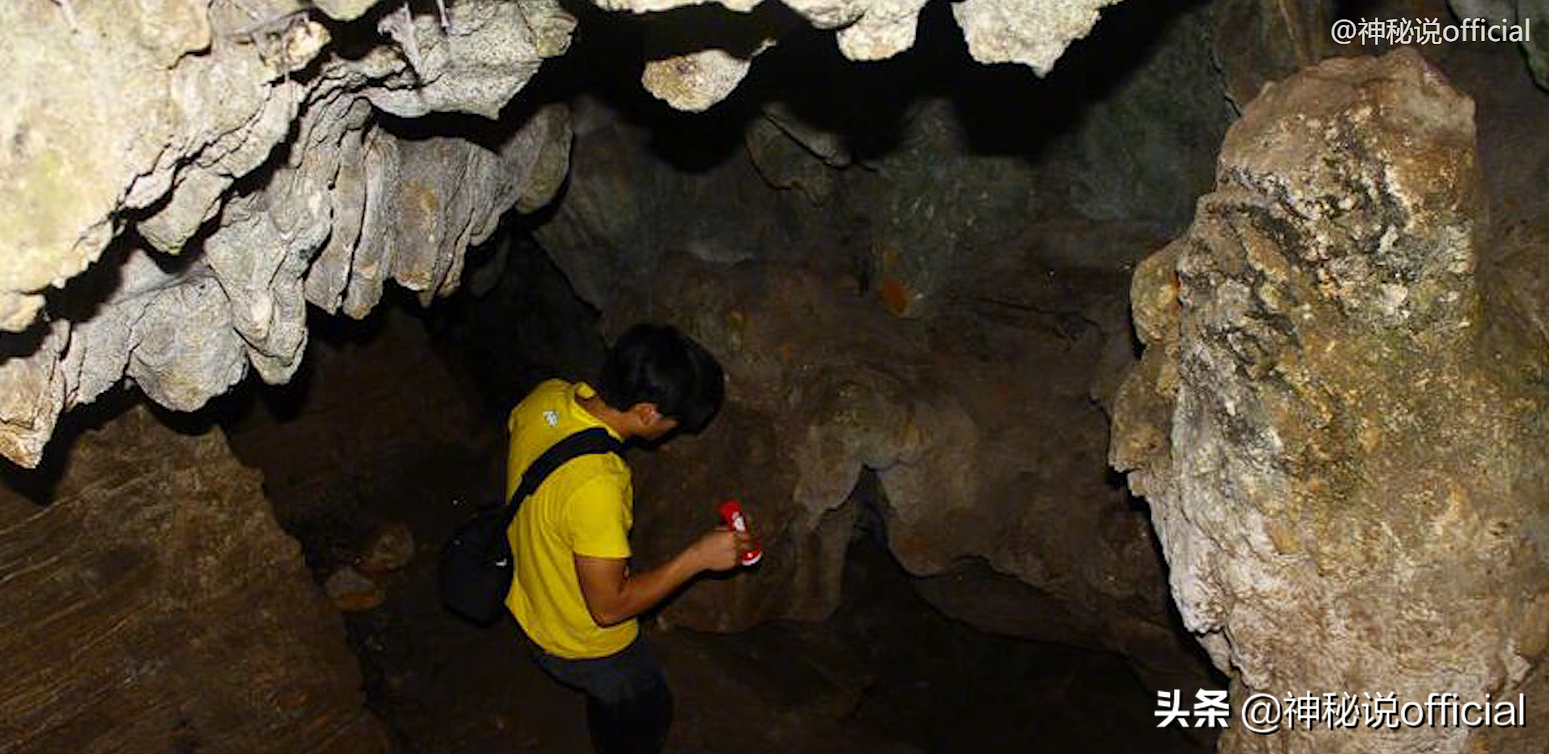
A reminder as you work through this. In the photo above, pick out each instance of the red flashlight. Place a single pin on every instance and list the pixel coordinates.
(731, 513)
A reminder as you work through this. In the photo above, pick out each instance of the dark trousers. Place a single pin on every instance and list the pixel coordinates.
(628, 704)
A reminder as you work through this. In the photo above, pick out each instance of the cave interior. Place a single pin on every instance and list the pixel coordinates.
(927, 279)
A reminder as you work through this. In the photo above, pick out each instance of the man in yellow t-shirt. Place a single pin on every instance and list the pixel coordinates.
(573, 592)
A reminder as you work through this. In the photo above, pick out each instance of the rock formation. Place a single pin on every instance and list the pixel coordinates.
(979, 427)
(155, 605)
(1337, 425)
(245, 140)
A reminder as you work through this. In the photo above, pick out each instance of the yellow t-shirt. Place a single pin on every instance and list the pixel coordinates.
(584, 508)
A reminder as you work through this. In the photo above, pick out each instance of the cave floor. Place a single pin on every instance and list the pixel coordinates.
(886, 673)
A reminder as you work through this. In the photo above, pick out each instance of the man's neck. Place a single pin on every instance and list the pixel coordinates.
(616, 420)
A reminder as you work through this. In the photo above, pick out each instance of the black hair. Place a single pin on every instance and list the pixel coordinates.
(657, 364)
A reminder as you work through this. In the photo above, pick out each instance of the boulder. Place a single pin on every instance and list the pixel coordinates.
(1342, 447)
(188, 619)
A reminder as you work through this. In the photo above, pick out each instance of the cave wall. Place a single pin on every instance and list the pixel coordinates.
(908, 175)
(155, 605)
(234, 162)
(1337, 423)
(262, 156)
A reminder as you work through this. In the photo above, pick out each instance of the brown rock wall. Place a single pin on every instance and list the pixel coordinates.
(155, 606)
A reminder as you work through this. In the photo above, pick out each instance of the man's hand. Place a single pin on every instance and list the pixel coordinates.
(613, 595)
(720, 548)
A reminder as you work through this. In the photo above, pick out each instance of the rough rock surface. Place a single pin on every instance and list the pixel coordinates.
(983, 440)
(250, 147)
(247, 138)
(1338, 428)
(1259, 41)
(1033, 34)
(1145, 150)
(998, 31)
(187, 617)
(901, 187)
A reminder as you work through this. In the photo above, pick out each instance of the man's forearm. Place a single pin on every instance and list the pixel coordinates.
(638, 592)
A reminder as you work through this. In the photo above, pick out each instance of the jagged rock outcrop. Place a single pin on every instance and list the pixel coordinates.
(1342, 444)
(1034, 34)
(155, 605)
(248, 139)
(253, 148)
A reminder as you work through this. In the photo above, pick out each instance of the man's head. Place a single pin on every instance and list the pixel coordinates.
(662, 379)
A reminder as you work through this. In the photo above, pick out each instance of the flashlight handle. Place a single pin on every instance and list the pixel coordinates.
(731, 513)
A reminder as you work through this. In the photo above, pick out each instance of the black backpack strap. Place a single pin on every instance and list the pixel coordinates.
(586, 442)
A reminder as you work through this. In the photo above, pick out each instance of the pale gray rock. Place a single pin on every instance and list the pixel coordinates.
(204, 99)
(71, 151)
(884, 30)
(345, 10)
(695, 81)
(477, 64)
(185, 348)
(329, 274)
(1343, 450)
(1034, 34)
(427, 201)
(998, 31)
(32, 393)
(259, 269)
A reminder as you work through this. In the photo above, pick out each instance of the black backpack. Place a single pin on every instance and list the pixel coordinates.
(475, 566)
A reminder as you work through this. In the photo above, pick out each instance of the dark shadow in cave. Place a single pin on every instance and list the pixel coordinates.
(913, 675)
(1004, 109)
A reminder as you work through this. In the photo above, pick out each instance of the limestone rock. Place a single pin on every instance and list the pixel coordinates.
(935, 202)
(1342, 449)
(345, 10)
(695, 81)
(1031, 33)
(188, 617)
(702, 73)
(185, 350)
(187, 333)
(476, 65)
(72, 152)
(33, 387)
(954, 420)
(188, 143)
(884, 30)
